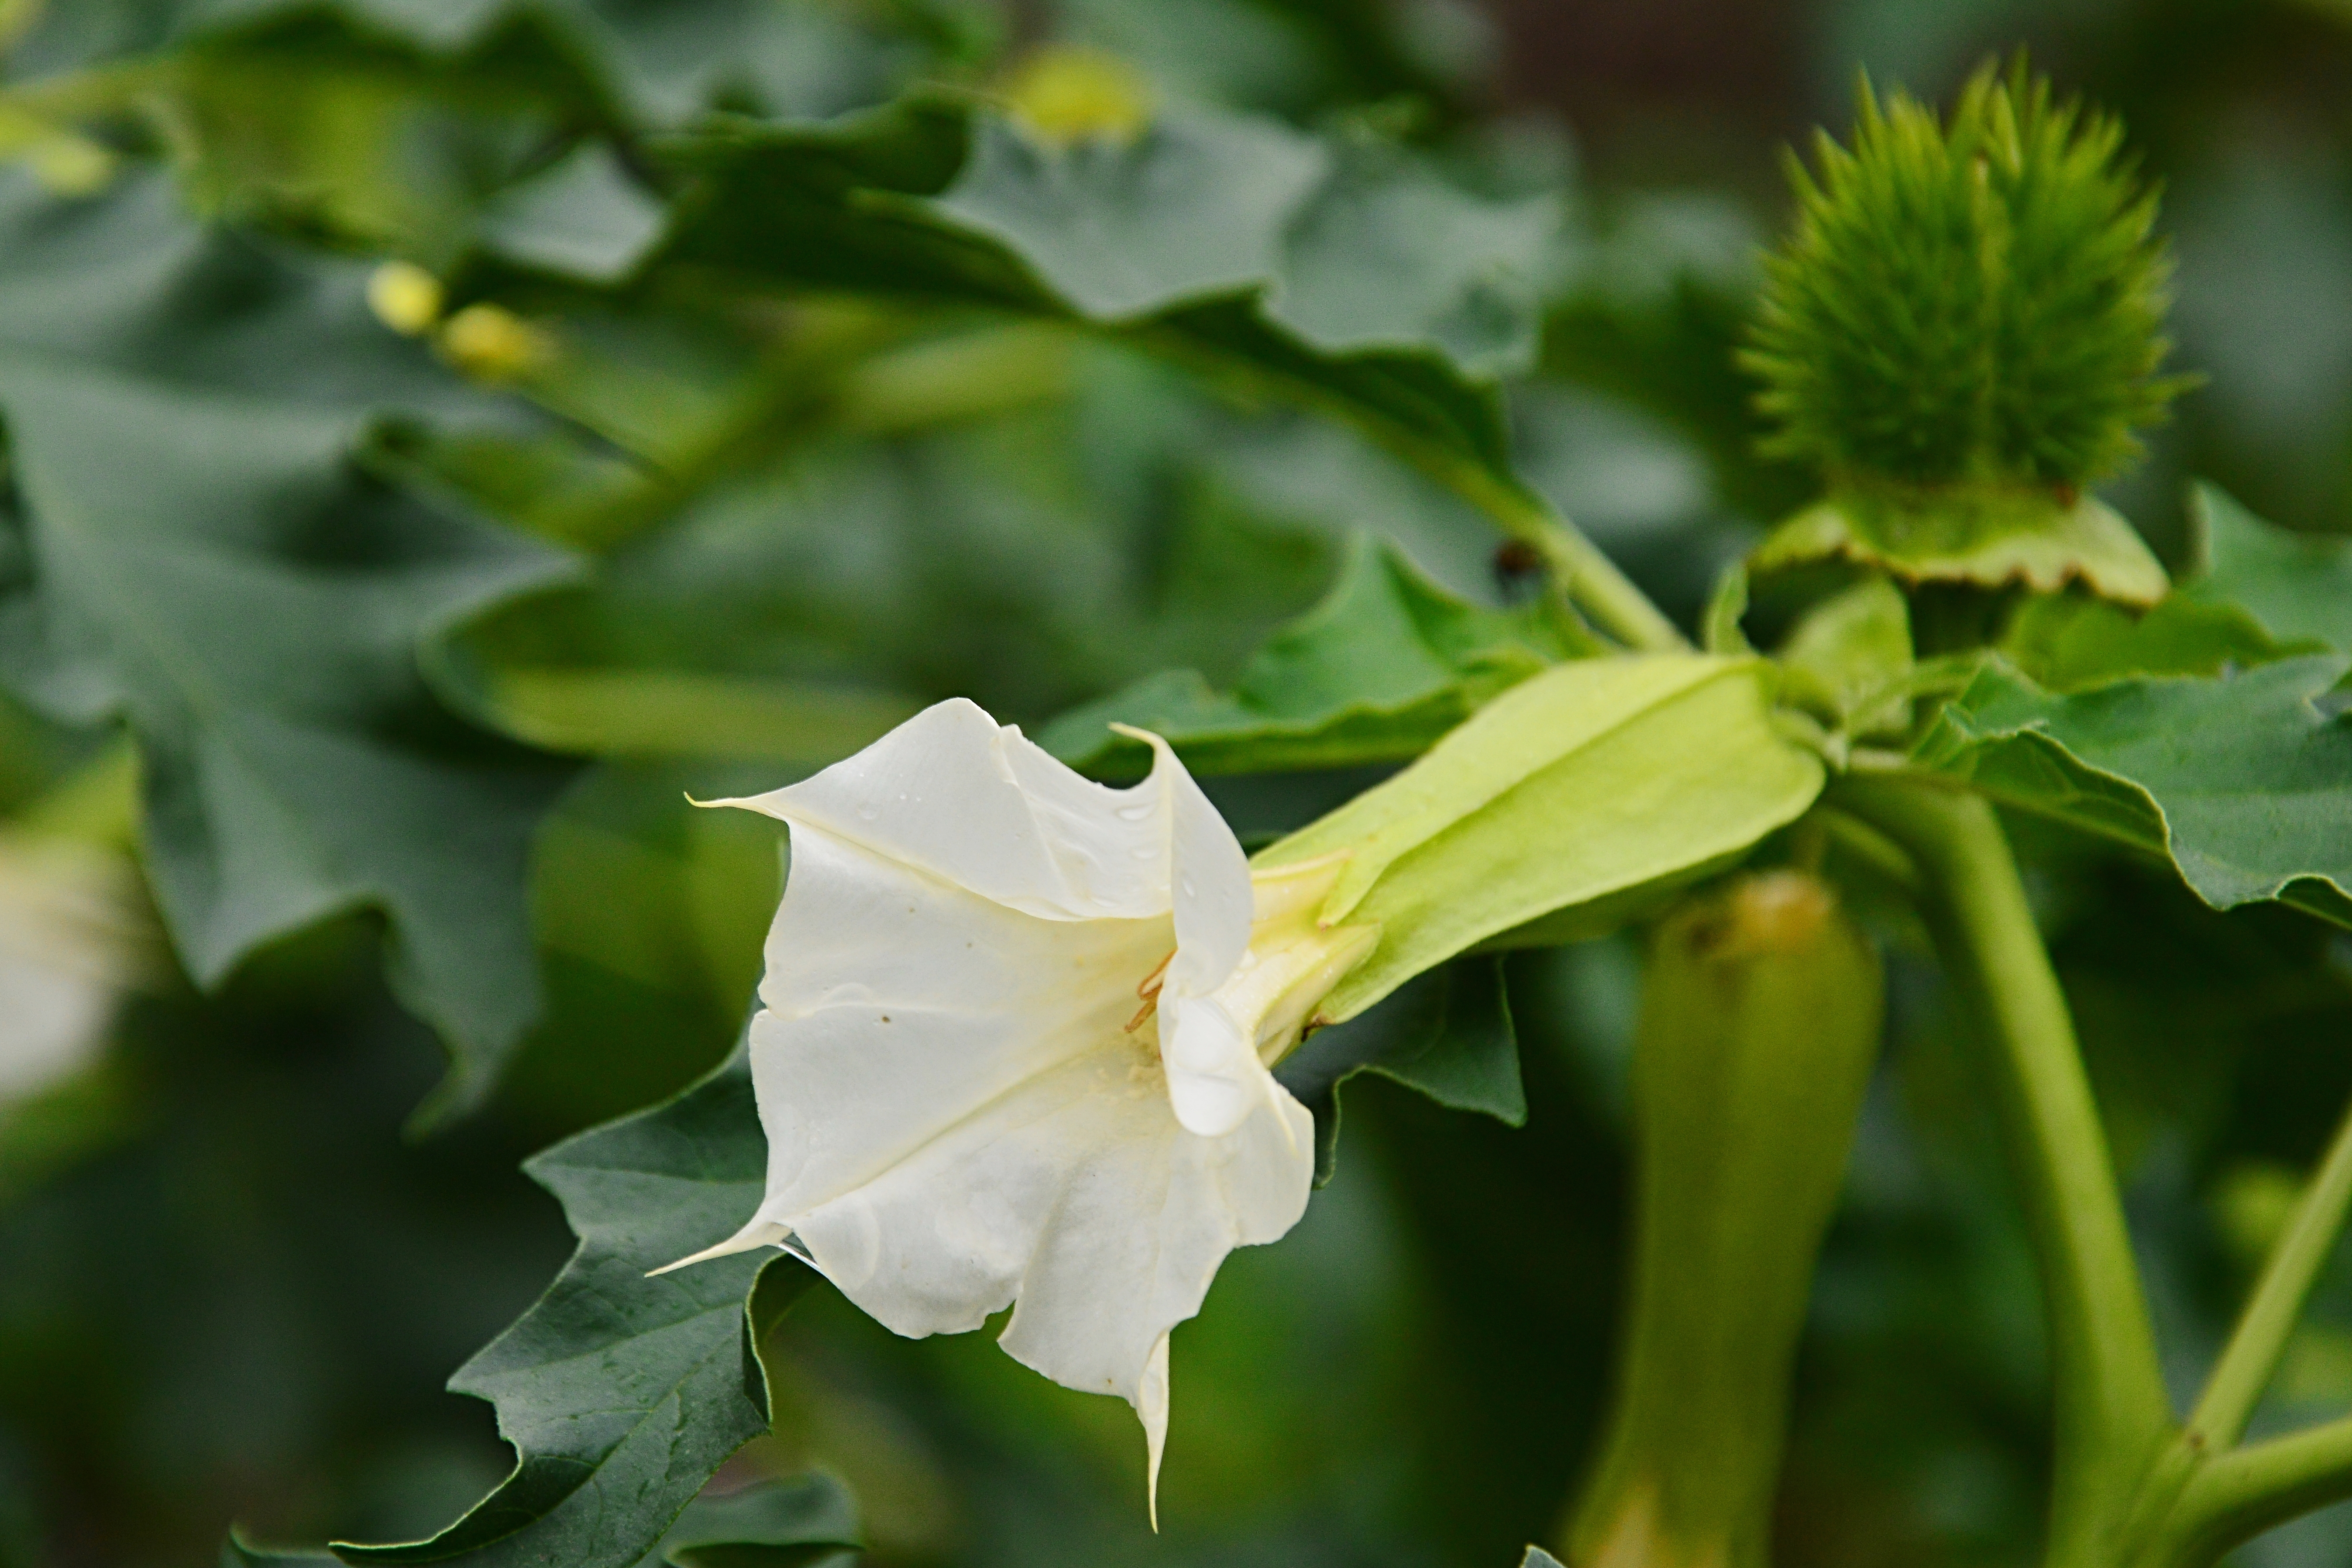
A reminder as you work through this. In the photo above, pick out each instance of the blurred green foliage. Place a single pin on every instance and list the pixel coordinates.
(667, 495)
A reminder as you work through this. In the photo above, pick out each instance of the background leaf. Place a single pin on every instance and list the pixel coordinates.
(2297, 585)
(779, 1524)
(216, 567)
(824, 207)
(1388, 662)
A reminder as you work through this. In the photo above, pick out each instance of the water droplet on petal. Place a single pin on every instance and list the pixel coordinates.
(1134, 813)
(867, 813)
(1188, 887)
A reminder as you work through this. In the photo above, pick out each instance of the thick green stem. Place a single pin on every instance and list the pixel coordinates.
(2111, 1412)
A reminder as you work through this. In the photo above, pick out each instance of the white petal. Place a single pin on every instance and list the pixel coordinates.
(1215, 1076)
(1213, 900)
(1142, 1223)
(977, 805)
(897, 1004)
(1079, 1194)
(1151, 1409)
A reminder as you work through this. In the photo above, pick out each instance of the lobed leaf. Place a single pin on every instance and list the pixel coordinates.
(621, 1393)
(200, 553)
(2244, 780)
(2069, 643)
(1446, 1032)
(1217, 240)
(2298, 587)
(1386, 664)
(779, 1524)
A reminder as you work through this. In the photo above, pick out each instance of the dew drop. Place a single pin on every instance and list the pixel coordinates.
(1134, 813)
(1188, 887)
(867, 813)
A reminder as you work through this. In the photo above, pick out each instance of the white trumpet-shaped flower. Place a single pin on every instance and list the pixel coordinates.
(1014, 1046)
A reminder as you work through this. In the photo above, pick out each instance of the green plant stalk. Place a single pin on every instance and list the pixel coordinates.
(2112, 1414)
(2206, 1495)
(2233, 1498)
(1576, 566)
(2260, 1338)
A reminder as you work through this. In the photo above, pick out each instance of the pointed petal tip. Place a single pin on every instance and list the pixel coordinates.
(748, 1239)
(747, 802)
(1151, 1407)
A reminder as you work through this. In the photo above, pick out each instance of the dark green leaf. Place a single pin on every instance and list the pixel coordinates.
(1447, 1033)
(1990, 537)
(2298, 585)
(215, 570)
(778, 1525)
(583, 216)
(622, 1393)
(204, 553)
(2244, 780)
(239, 1553)
(1273, 292)
(1387, 256)
(1193, 208)
(1388, 662)
(2070, 642)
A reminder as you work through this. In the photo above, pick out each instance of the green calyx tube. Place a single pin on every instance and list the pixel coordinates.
(1760, 1025)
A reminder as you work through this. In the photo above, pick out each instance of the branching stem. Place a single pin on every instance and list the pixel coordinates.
(2260, 1338)
(2205, 1494)
(2233, 1498)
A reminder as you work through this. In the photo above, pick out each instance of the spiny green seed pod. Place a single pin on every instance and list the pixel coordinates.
(1974, 301)
(1759, 1023)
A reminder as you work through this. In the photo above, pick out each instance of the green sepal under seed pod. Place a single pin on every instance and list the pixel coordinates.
(1963, 332)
